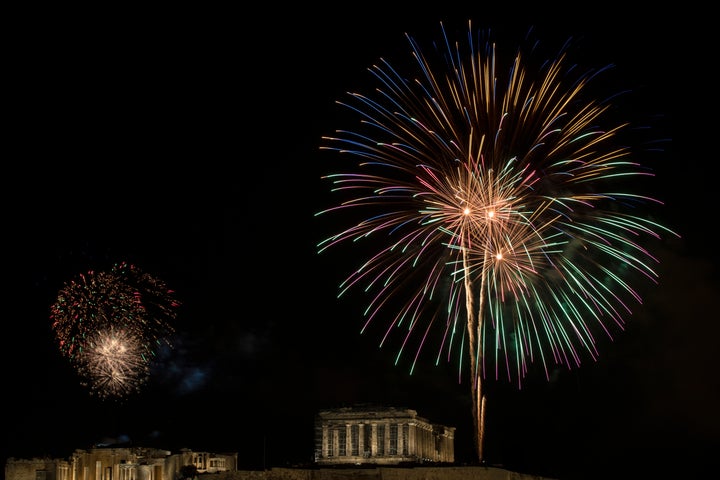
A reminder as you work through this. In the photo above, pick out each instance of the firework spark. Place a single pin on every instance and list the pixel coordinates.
(503, 196)
(111, 324)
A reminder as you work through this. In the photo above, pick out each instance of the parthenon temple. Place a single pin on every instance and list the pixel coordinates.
(380, 435)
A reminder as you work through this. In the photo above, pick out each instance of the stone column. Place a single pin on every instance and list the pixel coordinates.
(324, 447)
(373, 441)
(400, 440)
(348, 440)
(361, 439)
(336, 442)
(412, 439)
(423, 442)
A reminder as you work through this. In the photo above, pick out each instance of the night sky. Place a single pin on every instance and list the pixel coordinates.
(187, 142)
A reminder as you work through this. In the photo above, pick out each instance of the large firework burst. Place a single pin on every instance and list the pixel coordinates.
(111, 324)
(505, 196)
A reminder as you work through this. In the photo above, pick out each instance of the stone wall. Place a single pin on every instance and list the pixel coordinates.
(27, 469)
(382, 473)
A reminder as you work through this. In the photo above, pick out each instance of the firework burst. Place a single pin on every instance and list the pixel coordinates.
(111, 324)
(503, 195)
(114, 363)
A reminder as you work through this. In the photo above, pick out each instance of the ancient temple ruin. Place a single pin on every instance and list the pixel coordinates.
(358, 435)
(119, 463)
(380, 435)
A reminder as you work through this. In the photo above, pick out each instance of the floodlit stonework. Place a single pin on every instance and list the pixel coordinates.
(380, 436)
(119, 463)
(361, 443)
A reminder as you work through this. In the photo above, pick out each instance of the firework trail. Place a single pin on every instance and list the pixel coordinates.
(111, 324)
(501, 200)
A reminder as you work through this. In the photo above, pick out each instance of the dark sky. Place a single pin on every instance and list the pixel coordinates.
(186, 142)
